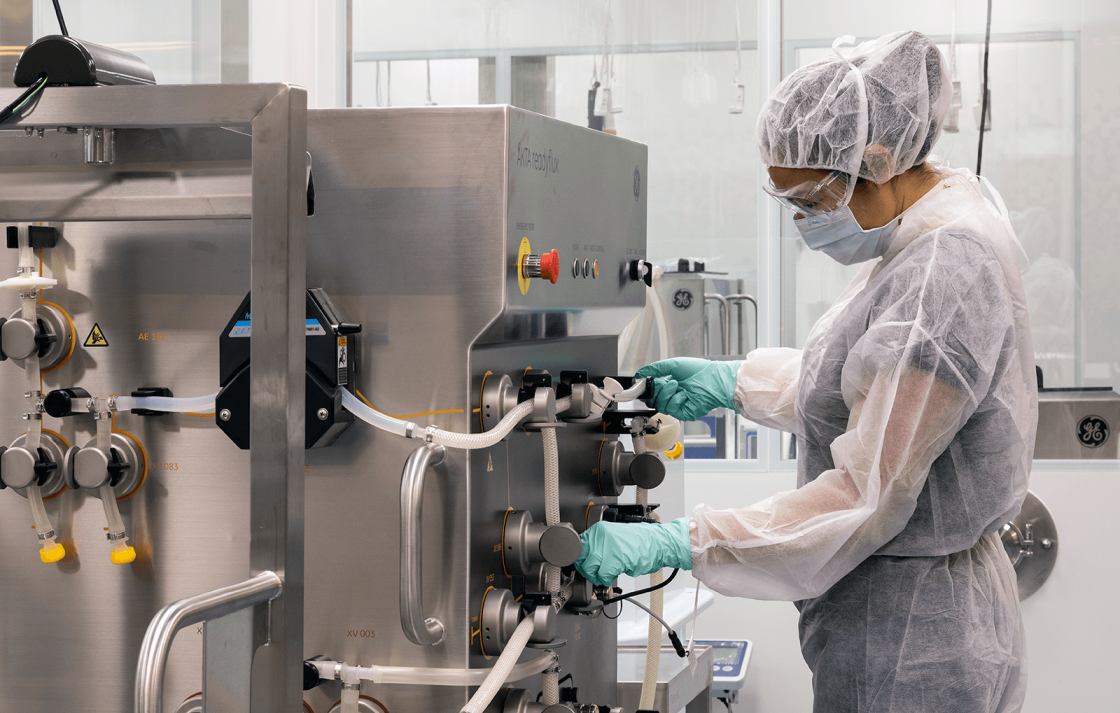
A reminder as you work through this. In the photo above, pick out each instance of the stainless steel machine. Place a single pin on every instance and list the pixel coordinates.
(420, 218)
(486, 256)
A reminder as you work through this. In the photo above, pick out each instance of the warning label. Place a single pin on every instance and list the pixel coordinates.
(343, 374)
(96, 337)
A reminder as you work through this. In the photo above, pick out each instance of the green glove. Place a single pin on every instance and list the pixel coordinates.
(614, 548)
(687, 389)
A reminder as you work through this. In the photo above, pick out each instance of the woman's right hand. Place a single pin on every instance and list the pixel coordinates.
(688, 388)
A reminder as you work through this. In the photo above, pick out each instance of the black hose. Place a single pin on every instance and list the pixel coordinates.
(61, 22)
(647, 590)
(984, 91)
(7, 111)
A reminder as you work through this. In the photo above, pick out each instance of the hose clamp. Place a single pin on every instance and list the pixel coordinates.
(429, 434)
(338, 671)
(115, 536)
(112, 403)
(409, 429)
(43, 536)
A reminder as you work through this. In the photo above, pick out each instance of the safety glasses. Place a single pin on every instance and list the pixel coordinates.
(812, 197)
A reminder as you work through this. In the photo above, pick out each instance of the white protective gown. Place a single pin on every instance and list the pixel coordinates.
(915, 407)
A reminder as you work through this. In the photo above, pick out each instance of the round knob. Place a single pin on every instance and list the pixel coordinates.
(560, 545)
(60, 402)
(647, 471)
(18, 337)
(550, 266)
(91, 468)
(18, 467)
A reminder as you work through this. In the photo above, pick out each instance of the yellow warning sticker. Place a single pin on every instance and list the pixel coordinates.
(96, 337)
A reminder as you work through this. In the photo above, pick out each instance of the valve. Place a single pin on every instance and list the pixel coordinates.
(527, 543)
(501, 614)
(61, 403)
(641, 271)
(34, 474)
(89, 468)
(49, 335)
(619, 468)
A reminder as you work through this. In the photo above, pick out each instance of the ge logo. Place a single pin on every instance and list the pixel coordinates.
(637, 183)
(1092, 431)
(682, 299)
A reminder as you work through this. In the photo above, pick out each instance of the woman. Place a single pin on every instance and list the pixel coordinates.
(914, 405)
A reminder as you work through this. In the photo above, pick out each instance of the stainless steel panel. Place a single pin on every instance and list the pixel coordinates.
(679, 686)
(161, 292)
(1078, 424)
(419, 217)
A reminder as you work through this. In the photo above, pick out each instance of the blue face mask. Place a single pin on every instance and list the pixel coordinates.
(838, 235)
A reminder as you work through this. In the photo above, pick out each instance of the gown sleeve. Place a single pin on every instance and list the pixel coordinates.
(766, 387)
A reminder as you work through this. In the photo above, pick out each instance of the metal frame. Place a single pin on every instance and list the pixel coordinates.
(276, 117)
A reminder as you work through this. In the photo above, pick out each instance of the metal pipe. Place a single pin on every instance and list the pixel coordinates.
(725, 324)
(419, 629)
(150, 669)
(739, 300)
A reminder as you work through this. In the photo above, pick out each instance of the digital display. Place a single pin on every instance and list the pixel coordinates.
(725, 654)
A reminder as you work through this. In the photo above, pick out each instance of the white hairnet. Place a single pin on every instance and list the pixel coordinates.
(817, 118)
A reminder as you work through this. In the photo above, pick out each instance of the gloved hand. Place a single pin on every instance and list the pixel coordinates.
(614, 548)
(687, 388)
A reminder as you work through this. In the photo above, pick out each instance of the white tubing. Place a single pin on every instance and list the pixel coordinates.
(501, 671)
(432, 676)
(550, 688)
(473, 441)
(656, 603)
(198, 404)
(38, 511)
(373, 417)
(350, 693)
(551, 499)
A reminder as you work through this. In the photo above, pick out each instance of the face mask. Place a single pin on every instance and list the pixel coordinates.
(838, 235)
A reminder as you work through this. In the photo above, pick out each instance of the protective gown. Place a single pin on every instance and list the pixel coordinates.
(914, 405)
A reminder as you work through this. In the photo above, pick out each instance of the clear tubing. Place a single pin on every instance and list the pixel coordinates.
(122, 553)
(550, 688)
(466, 441)
(374, 418)
(51, 550)
(501, 671)
(198, 404)
(656, 603)
(551, 499)
(350, 693)
(432, 676)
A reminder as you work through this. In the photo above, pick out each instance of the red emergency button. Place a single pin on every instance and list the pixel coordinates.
(546, 266)
(550, 266)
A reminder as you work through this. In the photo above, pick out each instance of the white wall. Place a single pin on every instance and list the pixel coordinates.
(299, 41)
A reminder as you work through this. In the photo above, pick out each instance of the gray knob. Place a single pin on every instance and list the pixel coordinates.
(528, 543)
(619, 468)
(18, 467)
(18, 337)
(91, 468)
(560, 545)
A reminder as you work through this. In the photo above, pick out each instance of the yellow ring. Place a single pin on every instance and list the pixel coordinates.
(523, 252)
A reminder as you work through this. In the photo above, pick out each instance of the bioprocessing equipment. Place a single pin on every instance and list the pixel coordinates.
(309, 408)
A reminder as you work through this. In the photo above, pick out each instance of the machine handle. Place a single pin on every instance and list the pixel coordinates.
(262, 588)
(725, 321)
(418, 628)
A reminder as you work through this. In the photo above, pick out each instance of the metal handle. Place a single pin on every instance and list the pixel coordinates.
(264, 587)
(418, 628)
(739, 300)
(725, 322)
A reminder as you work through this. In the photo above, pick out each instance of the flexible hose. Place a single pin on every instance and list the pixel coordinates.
(502, 669)
(551, 499)
(415, 675)
(466, 441)
(550, 688)
(656, 603)
(350, 694)
(198, 404)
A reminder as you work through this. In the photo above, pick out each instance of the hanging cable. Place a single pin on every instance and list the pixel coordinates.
(984, 91)
(673, 638)
(623, 597)
(23, 100)
(61, 22)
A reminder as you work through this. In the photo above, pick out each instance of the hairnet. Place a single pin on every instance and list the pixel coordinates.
(817, 118)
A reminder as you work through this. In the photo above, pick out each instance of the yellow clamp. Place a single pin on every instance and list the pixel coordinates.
(52, 555)
(675, 452)
(124, 556)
